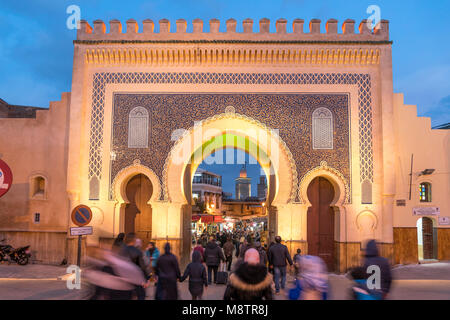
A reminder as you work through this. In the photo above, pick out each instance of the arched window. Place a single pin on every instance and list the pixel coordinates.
(322, 129)
(138, 120)
(425, 192)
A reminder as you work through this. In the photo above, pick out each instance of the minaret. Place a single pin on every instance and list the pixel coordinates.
(262, 188)
(243, 185)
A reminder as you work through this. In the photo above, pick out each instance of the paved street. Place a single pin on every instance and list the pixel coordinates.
(38, 282)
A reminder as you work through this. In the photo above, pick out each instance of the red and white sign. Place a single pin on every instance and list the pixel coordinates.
(6, 178)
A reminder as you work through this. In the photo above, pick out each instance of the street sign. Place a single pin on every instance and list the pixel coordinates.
(80, 231)
(81, 215)
(444, 221)
(5, 178)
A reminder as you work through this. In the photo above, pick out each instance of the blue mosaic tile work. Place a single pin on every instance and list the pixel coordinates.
(290, 113)
(363, 81)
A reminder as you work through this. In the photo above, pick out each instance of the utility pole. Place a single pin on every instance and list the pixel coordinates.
(410, 175)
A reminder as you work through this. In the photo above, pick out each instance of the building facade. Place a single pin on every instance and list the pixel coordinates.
(317, 110)
(207, 189)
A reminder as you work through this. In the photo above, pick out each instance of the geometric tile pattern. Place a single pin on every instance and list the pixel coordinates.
(363, 81)
(289, 113)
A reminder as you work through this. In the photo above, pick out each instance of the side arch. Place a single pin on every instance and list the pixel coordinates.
(342, 190)
(123, 177)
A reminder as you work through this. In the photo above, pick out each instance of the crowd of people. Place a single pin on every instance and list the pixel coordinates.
(259, 270)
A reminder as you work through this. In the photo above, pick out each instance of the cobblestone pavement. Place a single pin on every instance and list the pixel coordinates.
(36, 282)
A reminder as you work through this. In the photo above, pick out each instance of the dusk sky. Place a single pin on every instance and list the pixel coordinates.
(36, 48)
(230, 171)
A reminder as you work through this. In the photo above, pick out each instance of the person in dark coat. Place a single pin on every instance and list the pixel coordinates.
(223, 239)
(250, 281)
(168, 272)
(262, 254)
(213, 256)
(278, 254)
(359, 289)
(296, 259)
(248, 243)
(200, 249)
(372, 258)
(135, 255)
(118, 242)
(197, 276)
(228, 248)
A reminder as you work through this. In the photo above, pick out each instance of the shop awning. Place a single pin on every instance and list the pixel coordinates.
(207, 219)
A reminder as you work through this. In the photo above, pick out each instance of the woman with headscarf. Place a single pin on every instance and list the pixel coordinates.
(250, 280)
(167, 272)
(118, 242)
(312, 279)
(196, 272)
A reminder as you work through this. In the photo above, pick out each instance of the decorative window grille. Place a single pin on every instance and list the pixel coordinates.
(322, 128)
(138, 128)
(425, 192)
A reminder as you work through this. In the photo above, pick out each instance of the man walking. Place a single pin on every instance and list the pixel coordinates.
(168, 272)
(278, 254)
(135, 255)
(373, 258)
(213, 256)
(228, 248)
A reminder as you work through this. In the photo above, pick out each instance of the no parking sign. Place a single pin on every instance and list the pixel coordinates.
(5, 178)
(81, 215)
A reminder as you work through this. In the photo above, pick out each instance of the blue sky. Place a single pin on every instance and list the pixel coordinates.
(230, 171)
(36, 48)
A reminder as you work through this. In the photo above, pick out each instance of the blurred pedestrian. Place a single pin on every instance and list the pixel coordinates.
(138, 244)
(118, 242)
(372, 258)
(197, 276)
(112, 276)
(213, 256)
(250, 280)
(167, 272)
(360, 289)
(312, 280)
(278, 255)
(135, 255)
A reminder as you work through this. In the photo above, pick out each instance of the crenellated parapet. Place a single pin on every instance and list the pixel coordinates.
(178, 32)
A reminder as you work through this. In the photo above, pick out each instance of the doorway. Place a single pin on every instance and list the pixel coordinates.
(138, 213)
(320, 225)
(426, 239)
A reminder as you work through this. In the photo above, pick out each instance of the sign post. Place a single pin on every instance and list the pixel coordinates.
(81, 216)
